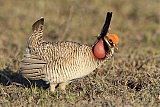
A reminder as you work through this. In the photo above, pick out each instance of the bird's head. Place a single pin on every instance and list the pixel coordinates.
(105, 46)
(106, 43)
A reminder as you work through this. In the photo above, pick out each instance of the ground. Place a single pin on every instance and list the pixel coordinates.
(130, 78)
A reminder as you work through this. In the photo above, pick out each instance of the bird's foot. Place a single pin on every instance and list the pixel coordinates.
(62, 87)
(52, 87)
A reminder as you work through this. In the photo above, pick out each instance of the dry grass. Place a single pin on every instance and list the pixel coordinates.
(130, 78)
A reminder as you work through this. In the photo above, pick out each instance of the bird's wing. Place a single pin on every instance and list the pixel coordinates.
(31, 67)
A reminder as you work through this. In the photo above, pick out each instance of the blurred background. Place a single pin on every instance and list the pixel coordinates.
(135, 22)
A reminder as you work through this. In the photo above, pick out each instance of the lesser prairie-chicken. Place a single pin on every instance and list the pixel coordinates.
(62, 62)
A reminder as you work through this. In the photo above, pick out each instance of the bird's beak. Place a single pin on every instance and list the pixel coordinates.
(115, 47)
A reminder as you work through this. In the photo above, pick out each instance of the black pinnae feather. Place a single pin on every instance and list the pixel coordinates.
(106, 25)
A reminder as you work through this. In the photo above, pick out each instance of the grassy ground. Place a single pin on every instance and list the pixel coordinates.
(130, 78)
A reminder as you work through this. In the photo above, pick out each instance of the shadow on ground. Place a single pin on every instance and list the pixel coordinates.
(7, 77)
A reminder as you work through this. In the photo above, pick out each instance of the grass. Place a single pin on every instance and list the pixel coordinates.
(130, 78)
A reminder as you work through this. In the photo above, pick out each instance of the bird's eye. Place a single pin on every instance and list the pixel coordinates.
(110, 41)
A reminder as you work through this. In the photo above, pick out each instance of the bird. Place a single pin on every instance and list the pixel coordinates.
(59, 63)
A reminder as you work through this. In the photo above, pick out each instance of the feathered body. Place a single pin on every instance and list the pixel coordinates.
(61, 62)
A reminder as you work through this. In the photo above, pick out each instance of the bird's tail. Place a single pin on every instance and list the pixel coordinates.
(37, 36)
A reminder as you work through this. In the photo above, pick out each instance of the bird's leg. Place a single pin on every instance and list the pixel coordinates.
(62, 86)
(52, 87)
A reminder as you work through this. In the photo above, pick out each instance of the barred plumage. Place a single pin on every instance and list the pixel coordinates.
(59, 62)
